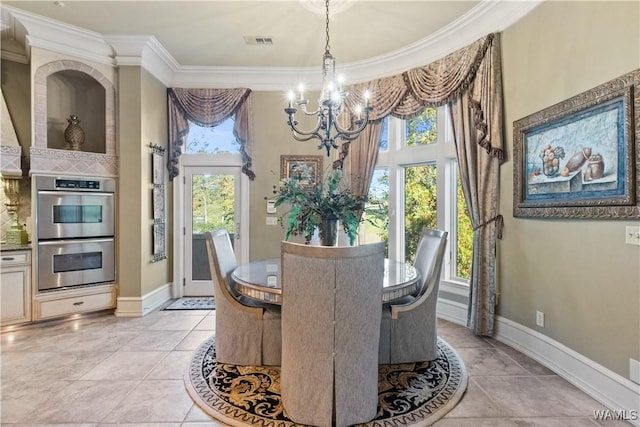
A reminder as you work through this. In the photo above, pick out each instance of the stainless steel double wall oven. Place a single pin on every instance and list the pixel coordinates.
(75, 231)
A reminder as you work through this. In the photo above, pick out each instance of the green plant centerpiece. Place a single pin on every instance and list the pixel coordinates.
(328, 201)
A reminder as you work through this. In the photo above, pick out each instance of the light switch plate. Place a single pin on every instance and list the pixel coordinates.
(632, 235)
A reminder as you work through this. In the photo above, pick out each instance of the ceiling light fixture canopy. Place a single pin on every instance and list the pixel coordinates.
(330, 106)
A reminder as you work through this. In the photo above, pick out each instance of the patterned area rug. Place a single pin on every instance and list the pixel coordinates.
(192, 303)
(412, 394)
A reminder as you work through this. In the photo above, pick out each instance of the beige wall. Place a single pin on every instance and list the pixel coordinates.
(131, 210)
(142, 120)
(272, 138)
(580, 273)
(154, 130)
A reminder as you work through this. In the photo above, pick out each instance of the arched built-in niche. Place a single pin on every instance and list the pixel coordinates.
(71, 92)
(66, 87)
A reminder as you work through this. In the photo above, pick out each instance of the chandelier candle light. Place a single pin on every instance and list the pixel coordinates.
(330, 106)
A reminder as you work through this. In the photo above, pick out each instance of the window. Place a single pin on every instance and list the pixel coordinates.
(420, 204)
(376, 215)
(212, 140)
(415, 185)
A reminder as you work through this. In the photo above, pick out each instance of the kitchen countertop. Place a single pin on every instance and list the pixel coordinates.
(9, 247)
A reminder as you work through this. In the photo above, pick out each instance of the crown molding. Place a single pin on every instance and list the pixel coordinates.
(52, 35)
(145, 51)
(14, 57)
(487, 17)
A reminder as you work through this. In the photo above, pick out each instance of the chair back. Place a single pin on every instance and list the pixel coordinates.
(400, 340)
(331, 313)
(222, 261)
(239, 328)
(429, 258)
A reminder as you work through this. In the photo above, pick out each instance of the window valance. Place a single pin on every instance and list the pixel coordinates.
(209, 107)
(474, 69)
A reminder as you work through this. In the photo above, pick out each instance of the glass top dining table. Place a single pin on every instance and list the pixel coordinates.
(260, 280)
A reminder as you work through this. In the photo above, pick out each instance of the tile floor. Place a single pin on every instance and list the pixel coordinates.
(108, 371)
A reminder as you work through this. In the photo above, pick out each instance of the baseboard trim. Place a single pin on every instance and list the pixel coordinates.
(612, 390)
(141, 306)
(452, 311)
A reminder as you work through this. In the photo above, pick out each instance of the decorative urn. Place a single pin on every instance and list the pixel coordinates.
(74, 134)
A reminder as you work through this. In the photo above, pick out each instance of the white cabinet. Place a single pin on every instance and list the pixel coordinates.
(52, 304)
(15, 287)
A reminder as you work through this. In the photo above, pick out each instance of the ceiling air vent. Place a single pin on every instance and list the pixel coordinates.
(258, 40)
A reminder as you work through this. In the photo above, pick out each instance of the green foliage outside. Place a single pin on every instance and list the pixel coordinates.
(213, 203)
(465, 236)
(422, 130)
(421, 200)
(420, 188)
(420, 206)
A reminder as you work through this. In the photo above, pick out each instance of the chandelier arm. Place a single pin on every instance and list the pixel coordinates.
(355, 131)
(311, 113)
(303, 139)
(346, 137)
(292, 123)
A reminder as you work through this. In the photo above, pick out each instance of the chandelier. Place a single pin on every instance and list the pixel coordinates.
(330, 106)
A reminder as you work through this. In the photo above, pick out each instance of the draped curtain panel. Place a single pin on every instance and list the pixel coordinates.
(470, 81)
(209, 107)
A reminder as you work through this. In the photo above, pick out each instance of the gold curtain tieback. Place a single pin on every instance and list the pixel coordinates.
(499, 225)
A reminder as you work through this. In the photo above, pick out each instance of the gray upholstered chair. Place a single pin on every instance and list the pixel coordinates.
(246, 333)
(408, 332)
(331, 309)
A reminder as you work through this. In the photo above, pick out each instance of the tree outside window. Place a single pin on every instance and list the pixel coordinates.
(421, 168)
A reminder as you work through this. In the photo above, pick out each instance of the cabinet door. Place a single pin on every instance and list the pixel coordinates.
(15, 293)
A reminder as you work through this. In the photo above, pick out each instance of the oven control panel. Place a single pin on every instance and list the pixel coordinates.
(77, 184)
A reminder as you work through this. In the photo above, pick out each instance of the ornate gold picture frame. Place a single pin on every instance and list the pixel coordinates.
(306, 169)
(579, 158)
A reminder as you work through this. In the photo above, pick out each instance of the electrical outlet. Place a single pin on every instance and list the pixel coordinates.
(632, 235)
(540, 319)
(634, 371)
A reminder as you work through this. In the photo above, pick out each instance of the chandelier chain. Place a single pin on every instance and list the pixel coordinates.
(327, 47)
(327, 129)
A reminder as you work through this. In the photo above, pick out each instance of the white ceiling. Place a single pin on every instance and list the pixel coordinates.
(211, 34)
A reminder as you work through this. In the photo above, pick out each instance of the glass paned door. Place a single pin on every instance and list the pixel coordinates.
(211, 203)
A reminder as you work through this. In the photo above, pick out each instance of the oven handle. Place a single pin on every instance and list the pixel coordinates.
(72, 241)
(73, 193)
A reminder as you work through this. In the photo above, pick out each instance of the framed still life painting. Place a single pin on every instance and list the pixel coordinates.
(578, 158)
(305, 169)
